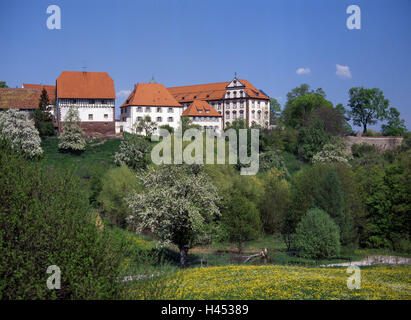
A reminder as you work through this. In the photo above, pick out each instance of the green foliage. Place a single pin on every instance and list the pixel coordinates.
(395, 126)
(45, 220)
(42, 116)
(3, 84)
(273, 159)
(187, 123)
(275, 203)
(367, 106)
(275, 111)
(311, 140)
(133, 152)
(241, 220)
(317, 236)
(117, 184)
(72, 137)
(167, 127)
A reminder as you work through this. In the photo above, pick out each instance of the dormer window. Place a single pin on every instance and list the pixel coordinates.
(207, 111)
(200, 111)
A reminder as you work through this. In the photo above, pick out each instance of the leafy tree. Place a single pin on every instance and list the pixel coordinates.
(367, 106)
(20, 132)
(275, 202)
(334, 151)
(346, 114)
(395, 126)
(177, 205)
(72, 138)
(333, 120)
(167, 127)
(45, 220)
(317, 236)
(275, 111)
(3, 84)
(117, 184)
(187, 123)
(241, 220)
(133, 151)
(311, 140)
(299, 112)
(145, 125)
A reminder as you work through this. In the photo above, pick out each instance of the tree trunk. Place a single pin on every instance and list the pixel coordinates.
(365, 128)
(183, 257)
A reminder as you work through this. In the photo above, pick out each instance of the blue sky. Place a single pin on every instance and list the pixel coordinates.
(184, 42)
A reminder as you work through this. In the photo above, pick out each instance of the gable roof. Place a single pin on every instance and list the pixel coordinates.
(51, 90)
(150, 94)
(199, 108)
(211, 91)
(19, 98)
(81, 84)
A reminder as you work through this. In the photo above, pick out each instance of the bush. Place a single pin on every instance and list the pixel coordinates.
(117, 184)
(20, 132)
(133, 152)
(45, 220)
(72, 138)
(334, 151)
(317, 236)
(273, 159)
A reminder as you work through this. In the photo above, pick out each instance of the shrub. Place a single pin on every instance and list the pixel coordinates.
(133, 152)
(20, 132)
(117, 184)
(317, 236)
(72, 139)
(45, 220)
(273, 159)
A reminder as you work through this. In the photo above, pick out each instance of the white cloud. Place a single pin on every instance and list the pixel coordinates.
(343, 72)
(303, 71)
(123, 93)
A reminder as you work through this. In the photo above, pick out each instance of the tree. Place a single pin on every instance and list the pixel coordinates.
(317, 236)
(334, 151)
(42, 116)
(395, 126)
(72, 138)
(3, 84)
(367, 106)
(333, 120)
(45, 220)
(273, 159)
(312, 139)
(241, 220)
(133, 152)
(275, 202)
(20, 132)
(275, 111)
(177, 205)
(145, 125)
(329, 196)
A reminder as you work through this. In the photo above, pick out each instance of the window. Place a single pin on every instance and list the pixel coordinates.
(106, 116)
(159, 109)
(139, 118)
(159, 119)
(90, 117)
(148, 109)
(170, 110)
(91, 101)
(200, 111)
(170, 119)
(207, 111)
(227, 115)
(140, 109)
(103, 101)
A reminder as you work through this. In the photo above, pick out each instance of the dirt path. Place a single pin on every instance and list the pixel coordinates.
(373, 260)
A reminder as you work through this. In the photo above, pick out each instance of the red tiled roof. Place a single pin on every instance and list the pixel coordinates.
(51, 90)
(211, 91)
(150, 94)
(19, 98)
(81, 84)
(200, 108)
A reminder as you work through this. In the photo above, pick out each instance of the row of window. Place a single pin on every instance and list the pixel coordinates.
(205, 119)
(90, 116)
(159, 119)
(87, 101)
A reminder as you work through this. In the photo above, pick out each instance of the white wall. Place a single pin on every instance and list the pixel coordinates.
(98, 114)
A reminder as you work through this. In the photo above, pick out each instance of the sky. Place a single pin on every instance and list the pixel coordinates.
(276, 44)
